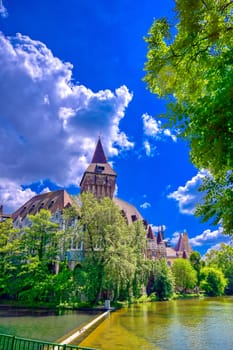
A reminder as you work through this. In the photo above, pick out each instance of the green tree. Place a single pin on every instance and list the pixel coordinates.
(40, 238)
(10, 257)
(112, 255)
(190, 64)
(222, 259)
(197, 263)
(184, 274)
(138, 244)
(40, 249)
(71, 234)
(164, 283)
(213, 281)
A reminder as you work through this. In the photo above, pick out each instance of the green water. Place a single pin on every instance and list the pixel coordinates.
(197, 324)
(41, 326)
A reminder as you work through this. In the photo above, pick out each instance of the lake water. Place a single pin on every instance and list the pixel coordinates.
(39, 324)
(197, 324)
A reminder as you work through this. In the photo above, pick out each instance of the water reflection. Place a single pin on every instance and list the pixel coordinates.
(198, 324)
(39, 324)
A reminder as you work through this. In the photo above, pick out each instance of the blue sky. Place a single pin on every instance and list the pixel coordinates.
(71, 70)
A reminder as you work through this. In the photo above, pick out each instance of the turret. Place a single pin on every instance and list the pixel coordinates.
(99, 178)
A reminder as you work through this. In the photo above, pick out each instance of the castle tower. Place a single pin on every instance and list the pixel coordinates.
(99, 178)
(183, 247)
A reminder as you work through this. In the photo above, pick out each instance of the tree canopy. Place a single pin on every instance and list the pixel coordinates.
(114, 263)
(163, 279)
(213, 281)
(222, 259)
(184, 274)
(190, 65)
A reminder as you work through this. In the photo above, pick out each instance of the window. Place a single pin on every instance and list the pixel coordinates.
(50, 204)
(134, 218)
(99, 169)
(32, 208)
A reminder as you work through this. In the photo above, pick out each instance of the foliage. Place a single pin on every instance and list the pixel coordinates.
(138, 243)
(197, 263)
(34, 264)
(28, 261)
(40, 238)
(114, 252)
(184, 274)
(190, 64)
(9, 256)
(222, 259)
(218, 201)
(164, 283)
(213, 281)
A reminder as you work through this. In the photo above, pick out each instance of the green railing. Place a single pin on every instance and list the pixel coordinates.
(10, 342)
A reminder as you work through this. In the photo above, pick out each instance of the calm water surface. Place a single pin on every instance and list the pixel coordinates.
(41, 326)
(197, 324)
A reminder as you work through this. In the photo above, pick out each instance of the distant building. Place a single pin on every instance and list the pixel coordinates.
(158, 247)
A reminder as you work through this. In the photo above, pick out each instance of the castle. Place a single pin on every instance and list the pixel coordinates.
(99, 179)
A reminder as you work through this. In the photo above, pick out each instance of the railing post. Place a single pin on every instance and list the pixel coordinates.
(13, 343)
(64, 347)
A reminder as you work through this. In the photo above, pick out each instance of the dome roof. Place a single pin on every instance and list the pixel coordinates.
(128, 210)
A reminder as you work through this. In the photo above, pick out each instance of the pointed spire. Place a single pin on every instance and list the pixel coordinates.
(162, 231)
(183, 244)
(159, 237)
(178, 246)
(150, 234)
(99, 156)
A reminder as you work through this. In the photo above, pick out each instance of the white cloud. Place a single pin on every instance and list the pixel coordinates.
(12, 195)
(150, 149)
(151, 126)
(188, 196)
(154, 129)
(211, 239)
(49, 126)
(3, 10)
(168, 133)
(147, 148)
(219, 245)
(208, 236)
(158, 228)
(145, 205)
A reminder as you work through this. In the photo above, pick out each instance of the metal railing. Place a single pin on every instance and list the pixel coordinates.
(11, 342)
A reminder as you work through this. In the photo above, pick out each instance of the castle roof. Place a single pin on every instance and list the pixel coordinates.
(128, 210)
(159, 237)
(99, 168)
(150, 233)
(99, 164)
(52, 201)
(183, 244)
(99, 155)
